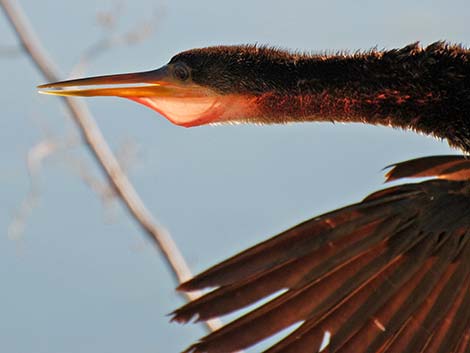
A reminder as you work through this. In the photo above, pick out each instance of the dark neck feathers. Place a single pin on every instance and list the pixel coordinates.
(423, 89)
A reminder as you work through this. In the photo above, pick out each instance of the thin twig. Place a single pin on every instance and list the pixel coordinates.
(102, 153)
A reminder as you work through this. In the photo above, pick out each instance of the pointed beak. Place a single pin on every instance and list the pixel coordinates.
(131, 85)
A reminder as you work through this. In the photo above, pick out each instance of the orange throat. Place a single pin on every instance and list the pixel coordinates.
(202, 110)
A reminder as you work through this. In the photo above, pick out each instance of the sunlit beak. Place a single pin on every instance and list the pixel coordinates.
(140, 84)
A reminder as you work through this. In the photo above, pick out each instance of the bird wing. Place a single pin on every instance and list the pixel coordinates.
(388, 274)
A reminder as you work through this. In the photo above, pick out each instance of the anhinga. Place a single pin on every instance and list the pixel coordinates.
(388, 274)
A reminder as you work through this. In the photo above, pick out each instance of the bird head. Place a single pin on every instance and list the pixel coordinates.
(197, 87)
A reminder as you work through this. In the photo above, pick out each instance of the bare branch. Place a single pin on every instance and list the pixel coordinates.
(101, 151)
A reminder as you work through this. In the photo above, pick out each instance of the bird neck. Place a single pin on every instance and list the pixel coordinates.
(423, 89)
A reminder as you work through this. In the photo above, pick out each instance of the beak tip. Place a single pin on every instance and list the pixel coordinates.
(52, 93)
(45, 85)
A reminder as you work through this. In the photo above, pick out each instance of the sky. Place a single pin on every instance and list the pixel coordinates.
(80, 276)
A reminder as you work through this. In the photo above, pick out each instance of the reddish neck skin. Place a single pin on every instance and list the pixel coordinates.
(204, 109)
(211, 116)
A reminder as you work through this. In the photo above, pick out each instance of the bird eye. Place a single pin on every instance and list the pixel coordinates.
(181, 72)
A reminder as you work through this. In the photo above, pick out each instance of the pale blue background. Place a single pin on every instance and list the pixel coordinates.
(76, 282)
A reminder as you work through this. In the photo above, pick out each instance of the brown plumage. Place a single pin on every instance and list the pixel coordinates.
(388, 274)
(390, 271)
